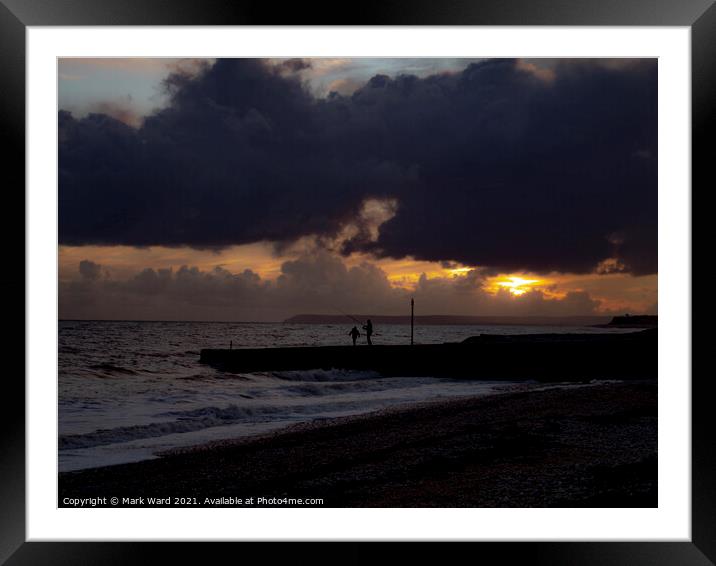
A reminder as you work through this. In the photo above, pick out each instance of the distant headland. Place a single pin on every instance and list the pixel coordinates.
(453, 319)
(633, 321)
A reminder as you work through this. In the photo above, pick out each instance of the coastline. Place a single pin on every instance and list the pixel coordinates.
(591, 446)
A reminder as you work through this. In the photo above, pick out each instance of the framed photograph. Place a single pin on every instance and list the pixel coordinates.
(419, 275)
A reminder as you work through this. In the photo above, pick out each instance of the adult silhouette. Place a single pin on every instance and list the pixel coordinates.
(368, 327)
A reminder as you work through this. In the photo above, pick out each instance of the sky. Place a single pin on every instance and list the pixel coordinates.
(258, 189)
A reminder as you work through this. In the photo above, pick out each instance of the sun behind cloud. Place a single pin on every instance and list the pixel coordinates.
(515, 284)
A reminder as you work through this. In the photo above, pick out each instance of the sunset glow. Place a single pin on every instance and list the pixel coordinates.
(517, 285)
(276, 218)
(616, 292)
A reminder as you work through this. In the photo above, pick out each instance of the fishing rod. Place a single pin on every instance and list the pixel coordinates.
(354, 319)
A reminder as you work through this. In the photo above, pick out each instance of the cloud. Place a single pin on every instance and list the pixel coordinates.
(501, 165)
(344, 86)
(294, 65)
(122, 109)
(316, 283)
(90, 270)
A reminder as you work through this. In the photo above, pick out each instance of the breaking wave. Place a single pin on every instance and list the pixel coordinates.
(109, 368)
(191, 421)
(326, 375)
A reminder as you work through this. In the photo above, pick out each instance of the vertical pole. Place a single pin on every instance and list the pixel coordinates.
(412, 319)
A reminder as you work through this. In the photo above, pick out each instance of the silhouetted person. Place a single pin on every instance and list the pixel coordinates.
(368, 327)
(354, 333)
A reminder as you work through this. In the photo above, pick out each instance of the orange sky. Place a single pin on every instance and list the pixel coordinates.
(615, 291)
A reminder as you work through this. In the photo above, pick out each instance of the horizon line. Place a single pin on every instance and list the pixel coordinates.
(287, 320)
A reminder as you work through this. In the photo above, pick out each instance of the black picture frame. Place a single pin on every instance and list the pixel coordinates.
(16, 15)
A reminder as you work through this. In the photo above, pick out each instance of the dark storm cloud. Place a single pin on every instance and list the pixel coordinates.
(498, 165)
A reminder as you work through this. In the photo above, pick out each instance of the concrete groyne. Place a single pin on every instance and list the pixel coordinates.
(544, 357)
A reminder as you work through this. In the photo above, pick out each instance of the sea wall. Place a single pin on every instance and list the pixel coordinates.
(544, 357)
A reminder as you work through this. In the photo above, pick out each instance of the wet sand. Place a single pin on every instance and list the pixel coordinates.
(593, 446)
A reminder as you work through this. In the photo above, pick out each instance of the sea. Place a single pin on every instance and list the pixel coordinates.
(128, 391)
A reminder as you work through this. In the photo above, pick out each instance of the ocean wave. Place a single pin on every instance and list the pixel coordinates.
(109, 368)
(326, 375)
(68, 350)
(162, 355)
(194, 420)
(321, 388)
(197, 377)
(186, 421)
